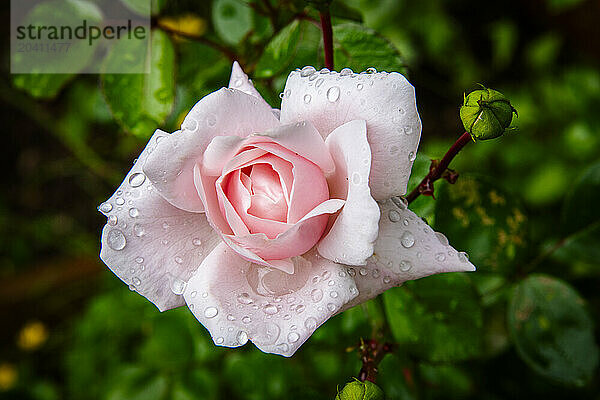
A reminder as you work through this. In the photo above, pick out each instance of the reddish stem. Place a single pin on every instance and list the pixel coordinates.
(327, 38)
(372, 352)
(426, 185)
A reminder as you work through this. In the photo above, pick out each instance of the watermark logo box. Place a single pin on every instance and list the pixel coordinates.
(80, 36)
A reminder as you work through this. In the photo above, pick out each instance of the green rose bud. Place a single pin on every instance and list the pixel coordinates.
(358, 390)
(486, 114)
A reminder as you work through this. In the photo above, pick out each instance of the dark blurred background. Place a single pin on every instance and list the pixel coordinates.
(71, 330)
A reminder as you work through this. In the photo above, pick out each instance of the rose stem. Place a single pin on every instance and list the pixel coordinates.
(372, 352)
(327, 38)
(435, 173)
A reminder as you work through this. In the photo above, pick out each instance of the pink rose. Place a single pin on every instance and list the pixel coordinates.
(267, 223)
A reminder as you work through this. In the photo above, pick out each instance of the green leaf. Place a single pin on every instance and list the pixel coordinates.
(552, 331)
(142, 102)
(232, 20)
(479, 217)
(279, 52)
(437, 318)
(339, 9)
(581, 219)
(54, 13)
(145, 7)
(358, 48)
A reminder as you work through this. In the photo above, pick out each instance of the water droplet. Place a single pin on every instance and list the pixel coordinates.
(316, 295)
(324, 71)
(270, 309)
(300, 308)
(211, 312)
(351, 272)
(293, 337)
(246, 319)
(219, 340)
(136, 281)
(353, 290)
(138, 230)
(139, 260)
(359, 86)
(363, 271)
(116, 240)
(105, 207)
(134, 212)
(230, 317)
(412, 156)
(165, 225)
(376, 273)
(178, 286)
(346, 72)
(319, 82)
(333, 294)
(394, 216)
(356, 179)
(331, 307)
(310, 323)
(408, 130)
(331, 283)
(387, 280)
(244, 298)
(405, 222)
(242, 337)
(193, 294)
(407, 239)
(400, 202)
(401, 111)
(211, 120)
(196, 241)
(463, 257)
(443, 240)
(307, 98)
(281, 95)
(137, 179)
(307, 71)
(119, 201)
(288, 92)
(440, 257)
(333, 94)
(405, 265)
(179, 260)
(238, 82)
(112, 220)
(371, 70)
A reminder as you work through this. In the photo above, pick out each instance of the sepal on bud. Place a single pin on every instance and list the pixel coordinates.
(486, 114)
(358, 390)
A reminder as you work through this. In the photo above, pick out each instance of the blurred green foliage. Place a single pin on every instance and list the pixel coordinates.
(523, 326)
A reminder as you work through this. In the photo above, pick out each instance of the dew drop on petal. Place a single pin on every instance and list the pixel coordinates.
(139, 260)
(405, 265)
(346, 72)
(211, 312)
(244, 298)
(394, 216)
(443, 240)
(242, 337)
(333, 94)
(178, 286)
(134, 212)
(319, 82)
(307, 98)
(412, 156)
(440, 257)
(463, 257)
(359, 86)
(307, 71)
(116, 240)
(105, 207)
(246, 319)
(196, 241)
(310, 323)
(137, 179)
(119, 201)
(270, 309)
(293, 337)
(112, 220)
(407, 240)
(138, 230)
(316, 295)
(136, 281)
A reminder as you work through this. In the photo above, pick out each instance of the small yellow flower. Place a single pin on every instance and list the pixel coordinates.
(8, 376)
